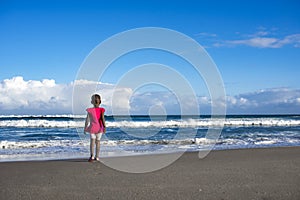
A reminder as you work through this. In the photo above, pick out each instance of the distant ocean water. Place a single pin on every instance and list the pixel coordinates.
(61, 136)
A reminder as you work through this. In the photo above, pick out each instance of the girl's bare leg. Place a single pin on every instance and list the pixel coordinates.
(97, 148)
(92, 147)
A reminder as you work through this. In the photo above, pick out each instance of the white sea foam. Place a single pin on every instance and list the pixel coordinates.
(184, 123)
(41, 123)
(266, 142)
(45, 116)
(18, 138)
(41, 144)
(119, 143)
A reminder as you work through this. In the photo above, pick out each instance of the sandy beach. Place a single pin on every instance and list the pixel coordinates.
(272, 173)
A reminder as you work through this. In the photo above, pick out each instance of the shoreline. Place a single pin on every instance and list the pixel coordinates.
(260, 173)
(52, 157)
(66, 158)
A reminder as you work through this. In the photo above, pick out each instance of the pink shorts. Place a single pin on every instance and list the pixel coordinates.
(96, 136)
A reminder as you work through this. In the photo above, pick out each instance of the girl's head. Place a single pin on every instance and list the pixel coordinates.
(96, 100)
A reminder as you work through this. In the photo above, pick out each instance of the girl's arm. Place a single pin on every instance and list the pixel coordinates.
(87, 120)
(103, 122)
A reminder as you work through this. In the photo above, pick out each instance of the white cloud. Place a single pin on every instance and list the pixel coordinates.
(271, 101)
(114, 99)
(291, 39)
(142, 102)
(205, 34)
(266, 42)
(260, 33)
(18, 96)
(261, 42)
(261, 39)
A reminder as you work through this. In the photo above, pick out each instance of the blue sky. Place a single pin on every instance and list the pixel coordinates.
(255, 44)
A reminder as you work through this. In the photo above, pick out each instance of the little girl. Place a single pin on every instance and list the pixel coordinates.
(95, 125)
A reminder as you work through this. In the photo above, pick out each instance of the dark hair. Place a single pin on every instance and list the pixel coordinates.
(96, 96)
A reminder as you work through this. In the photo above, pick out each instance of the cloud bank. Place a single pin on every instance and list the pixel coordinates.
(21, 97)
(18, 96)
(270, 101)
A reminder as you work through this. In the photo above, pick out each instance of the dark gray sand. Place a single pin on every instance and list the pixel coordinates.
(272, 173)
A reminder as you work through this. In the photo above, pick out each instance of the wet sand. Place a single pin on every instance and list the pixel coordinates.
(272, 173)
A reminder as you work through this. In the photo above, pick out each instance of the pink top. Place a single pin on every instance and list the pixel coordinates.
(96, 125)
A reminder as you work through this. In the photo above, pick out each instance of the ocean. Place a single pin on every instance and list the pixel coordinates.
(46, 137)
